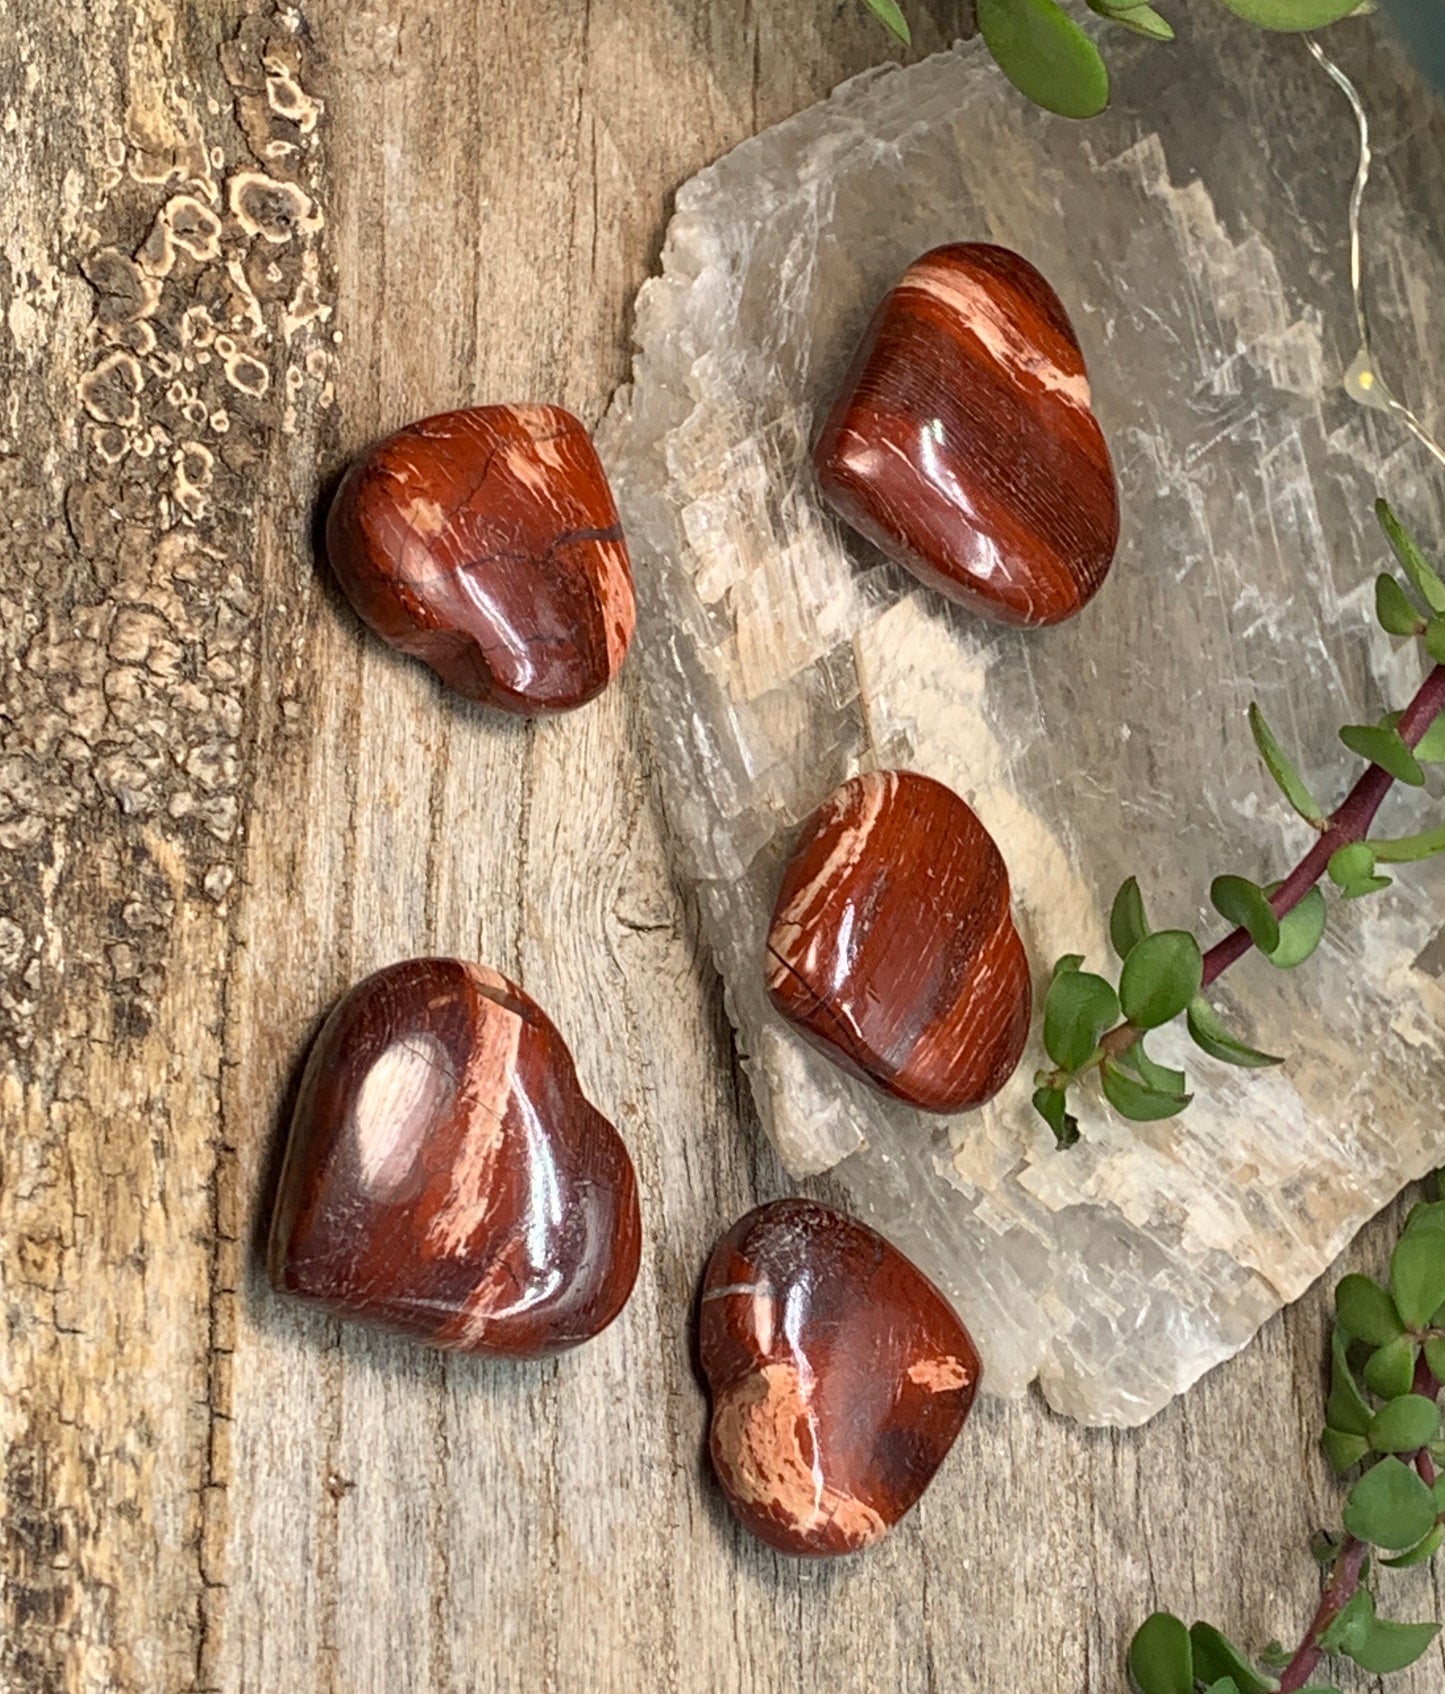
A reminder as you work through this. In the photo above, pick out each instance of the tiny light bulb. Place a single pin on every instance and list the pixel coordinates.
(1365, 385)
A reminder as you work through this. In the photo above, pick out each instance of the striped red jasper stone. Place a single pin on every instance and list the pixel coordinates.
(892, 946)
(445, 1175)
(840, 1377)
(963, 444)
(486, 542)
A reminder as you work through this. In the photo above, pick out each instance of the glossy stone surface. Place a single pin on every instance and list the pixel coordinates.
(445, 1175)
(781, 656)
(963, 444)
(486, 542)
(893, 948)
(840, 1377)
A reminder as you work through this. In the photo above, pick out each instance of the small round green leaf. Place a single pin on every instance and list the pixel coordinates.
(1389, 1647)
(1421, 1553)
(1390, 1370)
(1127, 923)
(1408, 849)
(1052, 1106)
(1417, 1276)
(1430, 748)
(1435, 1358)
(1300, 930)
(1244, 904)
(1395, 613)
(1217, 1658)
(889, 13)
(1210, 1035)
(1161, 1656)
(1292, 14)
(1346, 1410)
(1136, 15)
(1425, 579)
(1405, 1425)
(1390, 1507)
(1160, 977)
(1367, 1311)
(1044, 54)
(1069, 962)
(1159, 1077)
(1435, 639)
(1385, 748)
(1428, 1215)
(1078, 1009)
(1351, 1623)
(1135, 1100)
(1144, 20)
(1343, 1452)
(1352, 870)
(1349, 864)
(1291, 783)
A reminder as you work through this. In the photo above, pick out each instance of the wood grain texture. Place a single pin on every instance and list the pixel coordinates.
(221, 802)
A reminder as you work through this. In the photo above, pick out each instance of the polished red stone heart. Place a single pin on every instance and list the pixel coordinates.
(892, 946)
(445, 1175)
(963, 445)
(840, 1377)
(487, 543)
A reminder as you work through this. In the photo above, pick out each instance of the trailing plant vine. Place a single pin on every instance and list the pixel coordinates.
(1042, 50)
(1094, 1029)
(1382, 1420)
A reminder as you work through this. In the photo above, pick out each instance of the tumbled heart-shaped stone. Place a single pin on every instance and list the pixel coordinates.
(892, 947)
(447, 1177)
(487, 543)
(963, 445)
(840, 1377)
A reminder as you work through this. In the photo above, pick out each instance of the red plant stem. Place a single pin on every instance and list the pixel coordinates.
(1349, 823)
(1339, 1591)
(1349, 1561)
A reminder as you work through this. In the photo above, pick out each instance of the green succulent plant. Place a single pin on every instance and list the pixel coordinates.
(1383, 1430)
(1042, 50)
(1094, 1028)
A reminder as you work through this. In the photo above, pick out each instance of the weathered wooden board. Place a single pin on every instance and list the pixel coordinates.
(219, 804)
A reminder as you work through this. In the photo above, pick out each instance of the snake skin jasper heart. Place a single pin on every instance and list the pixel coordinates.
(892, 946)
(486, 542)
(840, 1377)
(963, 445)
(445, 1175)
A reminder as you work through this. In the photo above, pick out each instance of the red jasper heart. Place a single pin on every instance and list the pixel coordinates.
(840, 1377)
(486, 542)
(963, 444)
(892, 946)
(445, 1174)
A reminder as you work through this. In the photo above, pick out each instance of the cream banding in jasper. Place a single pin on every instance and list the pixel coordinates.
(764, 1298)
(530, 466)
(486, 1088)
(408, 1088)
(756, 1443)
(614, 591)
(876, 787)
(940, 1376)
(986, 318)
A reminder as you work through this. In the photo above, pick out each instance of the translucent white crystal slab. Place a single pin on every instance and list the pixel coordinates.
(1197, 236)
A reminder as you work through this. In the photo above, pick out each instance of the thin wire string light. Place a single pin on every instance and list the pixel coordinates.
(1363, 381)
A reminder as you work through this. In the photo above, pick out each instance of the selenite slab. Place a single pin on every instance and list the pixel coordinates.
(1197, 235)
